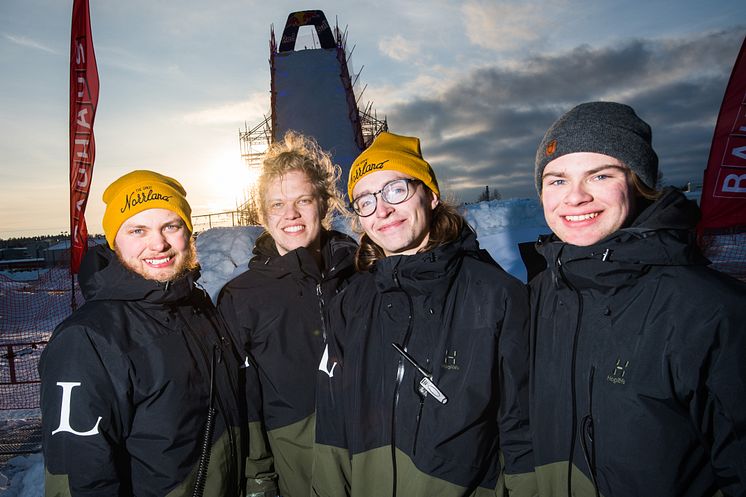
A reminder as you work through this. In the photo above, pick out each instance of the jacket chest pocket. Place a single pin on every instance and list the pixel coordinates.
(465, 369)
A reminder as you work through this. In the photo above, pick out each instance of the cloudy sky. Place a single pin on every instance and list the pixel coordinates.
(478, 81)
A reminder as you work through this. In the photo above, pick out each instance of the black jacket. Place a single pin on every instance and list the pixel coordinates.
(465, 321)
(275, 311)
(639, 364)
(125, 391)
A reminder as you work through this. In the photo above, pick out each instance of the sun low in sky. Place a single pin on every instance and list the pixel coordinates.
(478, 81)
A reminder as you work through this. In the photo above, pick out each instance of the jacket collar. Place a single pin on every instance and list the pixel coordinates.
(103, 277)
(337, 251)
(661, 235)
(424, 272)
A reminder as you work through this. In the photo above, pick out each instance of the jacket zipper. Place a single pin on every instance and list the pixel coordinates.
(573, 393)
(192, 336)
(320, 299)
(214, 395)
(417, 426)
(399, 378)
(586, 425)
(204, 456)
(587, 435)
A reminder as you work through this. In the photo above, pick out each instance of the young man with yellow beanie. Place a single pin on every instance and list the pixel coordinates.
(142, 390)
(423, 388)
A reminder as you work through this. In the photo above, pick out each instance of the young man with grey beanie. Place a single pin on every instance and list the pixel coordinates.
(638, 382)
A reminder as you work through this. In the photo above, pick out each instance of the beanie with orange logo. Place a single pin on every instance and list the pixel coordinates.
(607, 128)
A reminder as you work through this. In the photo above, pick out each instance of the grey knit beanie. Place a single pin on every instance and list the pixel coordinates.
(605, 128)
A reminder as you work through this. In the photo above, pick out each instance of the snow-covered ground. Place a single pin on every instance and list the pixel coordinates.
(24, 275)
(502, 224)
(224, 253)
(22, 476)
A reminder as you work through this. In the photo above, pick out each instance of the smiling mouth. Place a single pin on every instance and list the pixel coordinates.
(581, 217)
(158, 262)
(388, 226)
(293, 229)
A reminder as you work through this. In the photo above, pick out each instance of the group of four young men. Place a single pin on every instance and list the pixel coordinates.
(411, 365)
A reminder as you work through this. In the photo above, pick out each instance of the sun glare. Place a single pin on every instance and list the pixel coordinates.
(231, 179)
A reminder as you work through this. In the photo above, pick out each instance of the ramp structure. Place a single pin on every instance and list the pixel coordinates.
(314, 92)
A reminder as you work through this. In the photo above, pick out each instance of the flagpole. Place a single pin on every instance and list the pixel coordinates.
(84, 87)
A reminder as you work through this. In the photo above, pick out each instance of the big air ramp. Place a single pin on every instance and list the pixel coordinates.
(312, 92)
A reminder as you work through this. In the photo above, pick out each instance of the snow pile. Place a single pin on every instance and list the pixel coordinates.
(502, 224)
(223, 254)
(23, 476)
(492, 217)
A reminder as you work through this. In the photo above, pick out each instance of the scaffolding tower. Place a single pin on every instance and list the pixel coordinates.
(254, 143)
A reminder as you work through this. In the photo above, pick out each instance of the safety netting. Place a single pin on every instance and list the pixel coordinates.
(32, 304)
(20, 433)
(727, 250)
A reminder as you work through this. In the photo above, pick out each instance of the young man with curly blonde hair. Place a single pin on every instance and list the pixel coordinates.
(275, 309)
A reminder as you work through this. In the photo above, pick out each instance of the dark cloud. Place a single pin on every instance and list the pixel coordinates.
(484, 129)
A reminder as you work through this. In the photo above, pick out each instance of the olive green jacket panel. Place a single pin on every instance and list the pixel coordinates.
(261, 484)
(552, 481)
(370, 474)
(292, 450)
(261, 478)
(331, 474)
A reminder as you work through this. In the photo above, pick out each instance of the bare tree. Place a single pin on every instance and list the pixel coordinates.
(487, 195)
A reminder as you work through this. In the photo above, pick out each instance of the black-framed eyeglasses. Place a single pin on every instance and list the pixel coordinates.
(394, 192)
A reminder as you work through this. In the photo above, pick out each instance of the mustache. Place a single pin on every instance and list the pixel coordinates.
(188, 264)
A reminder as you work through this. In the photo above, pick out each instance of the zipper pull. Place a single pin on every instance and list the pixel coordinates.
(320, 294)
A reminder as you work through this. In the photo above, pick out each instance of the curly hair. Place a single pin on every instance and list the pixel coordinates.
(297, 152)
(445, 226)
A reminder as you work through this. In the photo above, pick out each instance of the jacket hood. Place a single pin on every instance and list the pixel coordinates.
(103, 277)
(336, 248)
(421, 273)
(662, 234)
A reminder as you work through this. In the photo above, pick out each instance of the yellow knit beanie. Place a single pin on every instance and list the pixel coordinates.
(393, 153)
(138, 191)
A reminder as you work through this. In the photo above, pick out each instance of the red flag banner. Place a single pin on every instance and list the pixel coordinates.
(83, 102)
(723, 200)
